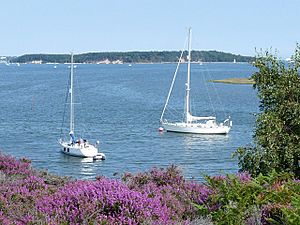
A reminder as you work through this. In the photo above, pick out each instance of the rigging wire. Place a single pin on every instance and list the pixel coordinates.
(210, 77)
(173, 81)
(80, 107)
(216, 92)
(64, 113)
(208, 94)
(80, 119)
(173, 112)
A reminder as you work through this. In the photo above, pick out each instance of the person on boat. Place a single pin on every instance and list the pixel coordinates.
(79, 141)
(72, 137)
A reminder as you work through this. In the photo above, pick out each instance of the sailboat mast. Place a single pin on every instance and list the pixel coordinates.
(71, 97)
(187, 96)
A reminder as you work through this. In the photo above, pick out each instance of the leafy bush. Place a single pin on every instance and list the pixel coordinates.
(238, 199)
(277, 131)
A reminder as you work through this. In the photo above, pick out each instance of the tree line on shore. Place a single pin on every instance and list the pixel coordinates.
(132, 57)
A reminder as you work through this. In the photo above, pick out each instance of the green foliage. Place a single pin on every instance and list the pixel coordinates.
(277, 134)
(293, 213)
(132, 57)
(233, 200)
(272, 199)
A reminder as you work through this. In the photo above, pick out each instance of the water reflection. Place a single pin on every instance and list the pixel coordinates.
(87, 167)
(198, 154)
(192, 140)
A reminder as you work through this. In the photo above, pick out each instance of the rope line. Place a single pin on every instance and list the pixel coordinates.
(173, 81)
(64, 113)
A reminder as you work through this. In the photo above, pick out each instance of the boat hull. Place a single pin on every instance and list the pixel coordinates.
(81, 150)
(196, 128)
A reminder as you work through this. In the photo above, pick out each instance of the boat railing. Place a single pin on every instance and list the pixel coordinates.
(227, 122)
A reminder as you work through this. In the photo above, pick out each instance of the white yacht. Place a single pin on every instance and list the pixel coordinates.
(79, 147)
(192, 124)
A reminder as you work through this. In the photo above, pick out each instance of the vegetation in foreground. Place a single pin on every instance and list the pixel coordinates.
(159, 196)
(277, 132)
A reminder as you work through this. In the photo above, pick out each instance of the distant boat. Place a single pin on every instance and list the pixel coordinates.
(234, 61)
(129, 65)
(80, 147)
(192, 124)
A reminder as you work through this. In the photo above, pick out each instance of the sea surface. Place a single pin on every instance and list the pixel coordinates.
(120, 105)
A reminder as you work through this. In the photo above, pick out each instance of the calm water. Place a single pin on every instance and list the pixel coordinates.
(121, 106)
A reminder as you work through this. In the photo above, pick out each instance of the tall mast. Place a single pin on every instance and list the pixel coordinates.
(71, 97)
(187, 96)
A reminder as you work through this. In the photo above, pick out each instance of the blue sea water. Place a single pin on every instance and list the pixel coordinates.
(121, 106)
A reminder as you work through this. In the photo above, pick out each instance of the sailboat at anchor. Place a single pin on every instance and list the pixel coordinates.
(192, 124)
(81, 147)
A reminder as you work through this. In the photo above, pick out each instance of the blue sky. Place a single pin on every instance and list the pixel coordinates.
(61, 26)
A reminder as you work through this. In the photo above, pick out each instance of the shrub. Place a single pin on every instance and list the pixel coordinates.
(277, 132)
(158, 196)
(173, 190)
(269, 199)
(108, 201)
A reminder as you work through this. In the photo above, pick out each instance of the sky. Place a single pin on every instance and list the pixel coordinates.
(61, 26)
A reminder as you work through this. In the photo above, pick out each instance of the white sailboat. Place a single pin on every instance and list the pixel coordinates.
(80, 148)
(192, 124)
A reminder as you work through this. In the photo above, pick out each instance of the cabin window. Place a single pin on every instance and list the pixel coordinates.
(68, 149)
(64, 149)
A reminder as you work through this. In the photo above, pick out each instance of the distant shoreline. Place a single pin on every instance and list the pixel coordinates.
(234, 81)
(131, 57)
(125, 63)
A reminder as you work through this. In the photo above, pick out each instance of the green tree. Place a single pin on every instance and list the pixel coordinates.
(277, 133)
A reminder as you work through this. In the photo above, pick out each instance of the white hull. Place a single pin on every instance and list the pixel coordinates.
(196, 128)
(81, 150)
